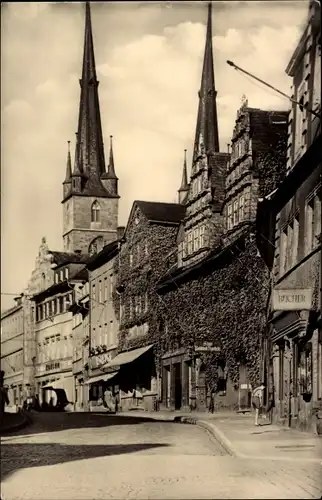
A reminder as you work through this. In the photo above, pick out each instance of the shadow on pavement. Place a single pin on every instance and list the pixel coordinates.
(53, 422)
(20, 456)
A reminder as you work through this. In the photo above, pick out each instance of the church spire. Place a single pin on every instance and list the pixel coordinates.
(68, 166)
(111, 167)
(184, 188)
(89, 150)
(206, 139)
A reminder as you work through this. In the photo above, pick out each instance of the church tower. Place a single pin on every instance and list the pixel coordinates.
(204, 195)
(90, 193)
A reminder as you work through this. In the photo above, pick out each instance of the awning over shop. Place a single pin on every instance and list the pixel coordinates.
(127, 357)
(104, 378)
(65, 384)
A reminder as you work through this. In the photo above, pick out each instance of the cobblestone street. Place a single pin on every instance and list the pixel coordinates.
(67, 456)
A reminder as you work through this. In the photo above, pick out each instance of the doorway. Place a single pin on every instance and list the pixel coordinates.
(177, 386)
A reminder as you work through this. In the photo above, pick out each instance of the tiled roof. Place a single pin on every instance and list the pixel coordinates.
(61, 258)
(162, 212)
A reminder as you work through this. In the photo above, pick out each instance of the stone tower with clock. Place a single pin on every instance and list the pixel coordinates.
(90, 191)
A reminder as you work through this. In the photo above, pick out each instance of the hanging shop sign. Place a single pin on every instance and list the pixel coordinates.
(292, 299)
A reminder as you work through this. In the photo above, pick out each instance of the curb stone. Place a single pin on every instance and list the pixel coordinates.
(26, 420)
(216, 433)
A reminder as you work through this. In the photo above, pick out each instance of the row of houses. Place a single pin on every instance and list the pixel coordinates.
(183, 303)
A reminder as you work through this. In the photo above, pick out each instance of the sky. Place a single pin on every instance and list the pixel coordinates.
(149, 58)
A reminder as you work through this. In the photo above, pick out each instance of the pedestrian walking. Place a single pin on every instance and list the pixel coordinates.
(212, 402)
(257, 401)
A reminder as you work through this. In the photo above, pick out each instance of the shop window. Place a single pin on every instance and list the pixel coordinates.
(295, 369)
(281, 373)
(306, 369)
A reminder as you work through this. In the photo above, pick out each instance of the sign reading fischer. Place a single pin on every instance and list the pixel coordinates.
(292, 299)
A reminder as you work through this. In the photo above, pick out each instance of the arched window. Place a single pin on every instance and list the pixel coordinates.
(96, 245)
(96, 211)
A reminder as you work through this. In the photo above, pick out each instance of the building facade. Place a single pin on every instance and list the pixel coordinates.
(149, 236)
(104, 323)
(80, 332)
(12, 343)
(296, 350)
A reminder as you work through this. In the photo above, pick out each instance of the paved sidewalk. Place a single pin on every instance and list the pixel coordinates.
(238, 434)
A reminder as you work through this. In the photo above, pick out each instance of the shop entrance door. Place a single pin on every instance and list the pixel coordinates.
(177, 386)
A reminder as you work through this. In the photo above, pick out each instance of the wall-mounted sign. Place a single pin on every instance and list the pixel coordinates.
(292, 299)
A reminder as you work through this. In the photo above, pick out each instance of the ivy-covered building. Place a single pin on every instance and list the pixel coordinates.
(295, 352)
(214, 294)
(149, 236)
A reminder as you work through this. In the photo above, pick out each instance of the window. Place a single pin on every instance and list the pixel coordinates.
(235, 216)
(294, 242)
(56, 278)
(131, 259)
(241, 208)
(100, 291)
(202, 240)
(96, 245)
(300, 124)
(190, 243)
(54, 306)
(309, 227)
(229, 217)
(289, 246)
(196, 239)
(111, 285)
(146, 302)
(146, 249)
(283, 250)
(61, 275)
(61, 304)
(95, 212)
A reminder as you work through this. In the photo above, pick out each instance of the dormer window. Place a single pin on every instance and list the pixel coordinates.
(95, 211)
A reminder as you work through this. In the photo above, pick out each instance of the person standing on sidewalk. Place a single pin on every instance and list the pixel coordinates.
(257, 401)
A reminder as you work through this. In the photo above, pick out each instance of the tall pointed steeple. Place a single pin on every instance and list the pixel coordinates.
(89, 153)
(68, 166)
(90, 198)
(207, 139)
(184, 188)
(109, 178)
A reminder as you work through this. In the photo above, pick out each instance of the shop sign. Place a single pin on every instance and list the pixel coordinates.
(292, 299)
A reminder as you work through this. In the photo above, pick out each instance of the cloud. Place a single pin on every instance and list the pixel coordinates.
(149, 61)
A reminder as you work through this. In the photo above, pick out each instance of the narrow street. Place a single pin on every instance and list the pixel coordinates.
(86, 456)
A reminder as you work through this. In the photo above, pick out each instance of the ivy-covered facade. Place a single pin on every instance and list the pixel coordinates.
(215, 293)
(149, 237)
